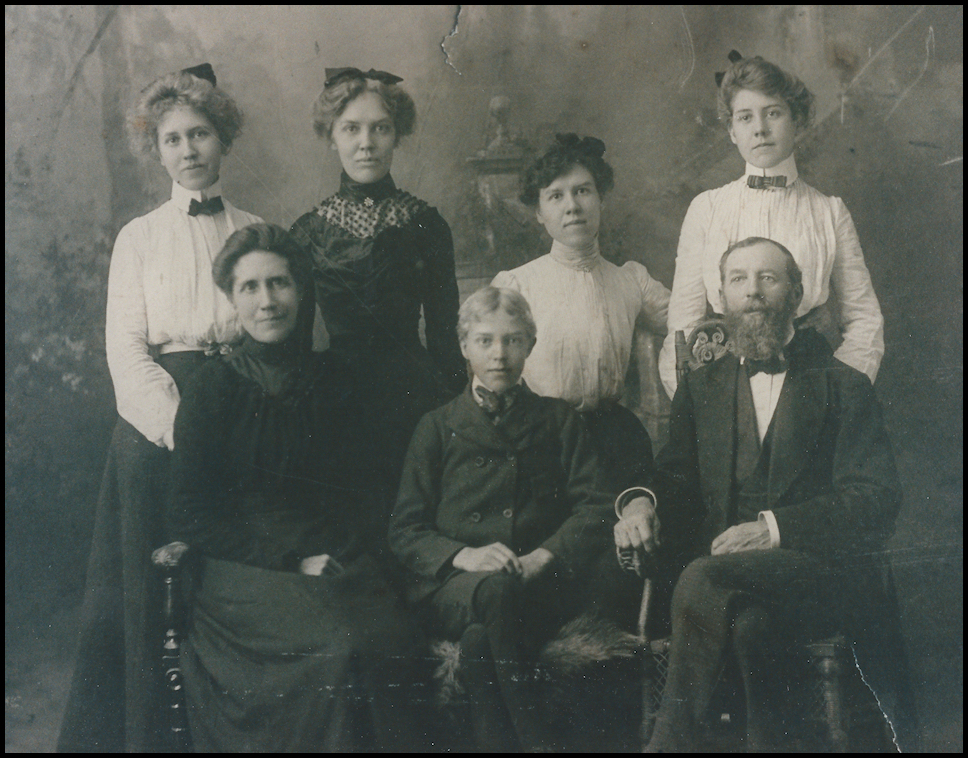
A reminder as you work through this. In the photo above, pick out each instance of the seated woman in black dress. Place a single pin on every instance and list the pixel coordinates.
(381, 257)
(296, 642)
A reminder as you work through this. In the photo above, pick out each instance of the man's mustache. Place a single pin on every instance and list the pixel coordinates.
(759, 308)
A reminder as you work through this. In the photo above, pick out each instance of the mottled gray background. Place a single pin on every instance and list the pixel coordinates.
(888, 139)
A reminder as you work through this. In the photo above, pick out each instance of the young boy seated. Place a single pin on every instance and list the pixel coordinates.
(499, 520)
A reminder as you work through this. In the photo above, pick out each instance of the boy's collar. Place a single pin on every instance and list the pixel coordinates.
(182, 197)
(475, 383)
(786, 167)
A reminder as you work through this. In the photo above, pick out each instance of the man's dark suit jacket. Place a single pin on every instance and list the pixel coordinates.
(530, 481)
(832, 485)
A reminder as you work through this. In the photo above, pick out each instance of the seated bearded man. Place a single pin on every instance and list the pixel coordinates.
(780, 476)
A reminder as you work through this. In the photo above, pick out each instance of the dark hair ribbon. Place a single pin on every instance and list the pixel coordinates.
(202, 71)
(337, 75)
(587, 145)
(734, 57)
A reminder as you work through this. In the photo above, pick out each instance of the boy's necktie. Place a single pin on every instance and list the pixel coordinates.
(493, 403)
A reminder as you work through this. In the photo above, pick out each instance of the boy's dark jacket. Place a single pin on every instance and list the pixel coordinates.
(530, 481)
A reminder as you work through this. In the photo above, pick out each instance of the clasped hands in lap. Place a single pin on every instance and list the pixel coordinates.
(499, 557)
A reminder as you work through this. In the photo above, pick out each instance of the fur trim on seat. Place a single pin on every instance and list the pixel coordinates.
(450, 690)
(584, 641)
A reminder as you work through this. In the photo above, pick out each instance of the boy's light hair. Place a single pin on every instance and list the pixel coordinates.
(489, 299)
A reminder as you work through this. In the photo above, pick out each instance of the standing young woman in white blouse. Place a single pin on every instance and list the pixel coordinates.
(765, 108)
(164, 316)
(584, 306)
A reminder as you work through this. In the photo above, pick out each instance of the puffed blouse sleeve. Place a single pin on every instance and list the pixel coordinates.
(655, 297)
(146, 395)
(505, 279)
(861, 321)
(687, 303)
(440, 297)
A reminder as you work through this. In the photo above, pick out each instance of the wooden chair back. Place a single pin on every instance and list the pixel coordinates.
(708, 341)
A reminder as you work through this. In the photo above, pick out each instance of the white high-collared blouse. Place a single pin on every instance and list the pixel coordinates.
(585, 309)
(162, 299)
(817, 229)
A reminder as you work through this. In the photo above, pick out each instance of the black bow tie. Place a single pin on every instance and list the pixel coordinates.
(764, 182)
(206, 207)
(774, 365)
(493, 403)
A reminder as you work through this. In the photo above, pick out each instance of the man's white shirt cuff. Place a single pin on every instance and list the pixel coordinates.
(629, 495)
(767, 517)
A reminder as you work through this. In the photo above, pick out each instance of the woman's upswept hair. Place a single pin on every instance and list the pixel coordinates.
(270, 238)
(332, 101)
(170, 91)
(767, 78)
(488, 300)
(567, 152)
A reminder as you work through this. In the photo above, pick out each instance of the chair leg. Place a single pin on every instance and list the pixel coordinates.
(828, 656)
(655, 663)
(171, 665)
(168, 560)
(649, 710)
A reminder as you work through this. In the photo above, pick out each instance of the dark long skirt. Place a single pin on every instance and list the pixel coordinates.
(400, 384)
(282, 662)
(623, 445)
(116, 703)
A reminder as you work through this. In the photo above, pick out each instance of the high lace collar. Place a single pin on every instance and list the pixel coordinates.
(579, 260)
(367, 194)
(279, 367)
(285, 353)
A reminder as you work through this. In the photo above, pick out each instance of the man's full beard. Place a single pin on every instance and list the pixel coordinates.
(760, 333)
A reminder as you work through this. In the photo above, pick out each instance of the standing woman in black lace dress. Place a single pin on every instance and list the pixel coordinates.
(380, 257)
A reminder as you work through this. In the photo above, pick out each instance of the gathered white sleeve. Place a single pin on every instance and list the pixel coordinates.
(506, 279)
(861, 321)
(687, 303)
(655, 297)
(146, 394)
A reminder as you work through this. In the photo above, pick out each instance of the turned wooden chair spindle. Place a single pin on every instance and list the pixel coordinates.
(169, 562)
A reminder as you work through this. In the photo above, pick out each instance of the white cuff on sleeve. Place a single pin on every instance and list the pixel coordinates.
(767, 517)
(630, 494)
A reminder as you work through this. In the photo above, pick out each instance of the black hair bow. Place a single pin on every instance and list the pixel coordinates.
(588, 145)
(202, 71)
(337, 75)
(734, 56)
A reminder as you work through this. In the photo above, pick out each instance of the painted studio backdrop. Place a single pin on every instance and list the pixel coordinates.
(492, 85)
